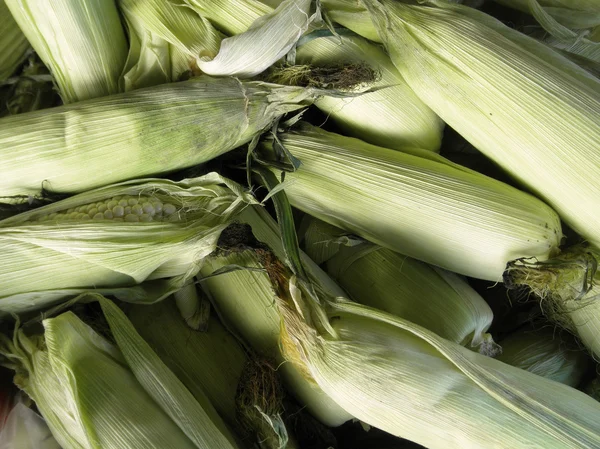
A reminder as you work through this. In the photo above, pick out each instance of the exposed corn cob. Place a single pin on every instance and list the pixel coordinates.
(569, 290)
(418, 204)
(13, 43)
(114, 238)
(93, 393)
(520, 103)
(546, 354)
(77, 147)
(82, 43)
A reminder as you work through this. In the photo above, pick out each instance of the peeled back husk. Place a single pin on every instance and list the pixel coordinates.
(428, 296)
(82, 43)
(523, 105)
(569, 289)
(96, 393)
(546, 353)
(161, 129)
(393, 117)
(13, 43)
(417, 203)
(246, 302)
(397, 376)
(114, 238)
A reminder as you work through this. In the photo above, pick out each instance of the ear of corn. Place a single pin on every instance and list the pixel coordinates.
(246, 301)
(393, 117)
(408, 381)
(113, 239)
(577, 14)
(95, 394)
(568, 288)
(253, 51)
(418, 204)
(171, 37)
(545, 353)
(13, 43)
(83, 44)
(520, 103)
(430, 297)
(150, 131)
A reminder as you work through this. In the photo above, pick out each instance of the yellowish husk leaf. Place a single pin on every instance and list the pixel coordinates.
(523, 105)
(546, 353)
(418, 204)
(430, 297)
(393, 117)
(208, 362)
(94, 394)
(82, 43)
(246, 302)
(13, 43)
(233, 16)
(146, 132)
(47, 258)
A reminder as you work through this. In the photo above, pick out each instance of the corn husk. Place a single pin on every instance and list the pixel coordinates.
(83, 45)
(75, 244)
(523, 105)
(25, 429)
(94, 393)
(352, 15)
(418, 204)
(167, 38)
(245, 301)
(593, 389)
(253, 51)
(547, 354)
(408, 381)
(393, 117)
(430, 297)
(13, 43)
(568, 288)
(233, 16)
(151, 131)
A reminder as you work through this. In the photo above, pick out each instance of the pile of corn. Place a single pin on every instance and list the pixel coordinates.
(270, 224)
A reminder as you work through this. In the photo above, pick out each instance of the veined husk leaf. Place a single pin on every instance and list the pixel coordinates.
(523, 105)
(417, 203)
(428, 296)
(170, 37)
(253, 51)
(246, 302)
(569, 288)
(233, 16)
(95, 394)
(545, 353)
(393, 117)
(408, 381)
(82, 43)
(13, 43)
(353, 15)
(160, 129)
(63, 248)
(208, 362)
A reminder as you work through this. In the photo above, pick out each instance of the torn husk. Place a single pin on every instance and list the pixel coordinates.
(568, 288)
